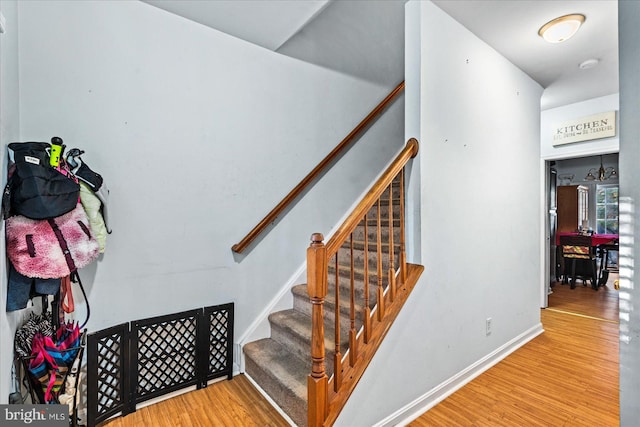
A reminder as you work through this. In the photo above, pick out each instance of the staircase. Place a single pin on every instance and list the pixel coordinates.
(281, 364)
(357, 283)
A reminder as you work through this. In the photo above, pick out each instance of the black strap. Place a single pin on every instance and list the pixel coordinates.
(63, 245)
(6, 199)
(75, 277)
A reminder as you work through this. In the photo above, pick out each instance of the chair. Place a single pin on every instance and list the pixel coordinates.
(605, 250)
(579, 260)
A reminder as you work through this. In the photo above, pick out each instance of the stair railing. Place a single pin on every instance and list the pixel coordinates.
(328, 392)
(316, 172)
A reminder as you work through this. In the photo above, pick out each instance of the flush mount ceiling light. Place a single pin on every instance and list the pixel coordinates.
(562, 28)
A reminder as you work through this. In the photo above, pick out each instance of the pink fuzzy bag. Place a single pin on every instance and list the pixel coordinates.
(36, 248)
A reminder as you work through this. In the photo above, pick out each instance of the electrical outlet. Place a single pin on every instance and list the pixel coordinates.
(488, 326)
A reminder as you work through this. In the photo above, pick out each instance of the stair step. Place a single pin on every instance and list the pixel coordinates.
(292, 329)
(384, 209)
(302, 305)
(384, 222)
(371, 246)
(372, 233)
(281, 364)
(395, 185)
(282, 375)
(344, 275)
(344, 259)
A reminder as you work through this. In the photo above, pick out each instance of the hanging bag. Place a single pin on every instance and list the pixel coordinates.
(36, 189)
(51, 248)
(42, 368)
(51, 359)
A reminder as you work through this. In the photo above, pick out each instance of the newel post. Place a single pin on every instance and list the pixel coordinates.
(317, 382)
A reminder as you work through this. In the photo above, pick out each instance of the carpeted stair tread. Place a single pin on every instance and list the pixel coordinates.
(344, 274)
(282, 375)
(299, 326)
(300, 291)
(371, 246)
(281, 364)
(301, 304)
(372, 234)
(292, 370)
(293, 330)
(359, 256)
(384, 211)
(384, 222)
(384, 202)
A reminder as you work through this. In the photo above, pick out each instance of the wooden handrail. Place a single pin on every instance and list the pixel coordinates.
(326, 396)
(409, 151)
(293, 194)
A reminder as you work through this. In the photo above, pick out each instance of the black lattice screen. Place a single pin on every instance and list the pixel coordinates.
(220, 337)
(130, 363)
(166, 354)
(107, 373)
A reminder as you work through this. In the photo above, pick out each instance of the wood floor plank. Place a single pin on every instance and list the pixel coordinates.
(222, 404)
(584, 300)
(567, 376)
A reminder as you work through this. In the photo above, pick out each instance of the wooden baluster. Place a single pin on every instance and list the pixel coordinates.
(337, 355)
(379, 248)
(367, 309)
(392, 269)
(317, 382)
(353, 350)
(403, 253)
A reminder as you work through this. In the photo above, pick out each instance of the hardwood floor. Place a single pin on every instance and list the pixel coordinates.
(222, 404)
(568, 376)
(602, 304)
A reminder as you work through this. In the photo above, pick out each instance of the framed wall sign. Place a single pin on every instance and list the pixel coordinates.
(598, 126)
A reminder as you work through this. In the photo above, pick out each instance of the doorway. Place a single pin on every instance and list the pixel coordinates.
(599, 218)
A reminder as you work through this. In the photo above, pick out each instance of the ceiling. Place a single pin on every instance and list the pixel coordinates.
(267, 23)
(509, 26)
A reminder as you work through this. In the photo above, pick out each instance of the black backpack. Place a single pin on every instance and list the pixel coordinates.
(35, 189)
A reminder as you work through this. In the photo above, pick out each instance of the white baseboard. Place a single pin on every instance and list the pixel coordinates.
(260, 327)
(271, 401)
(434, 396)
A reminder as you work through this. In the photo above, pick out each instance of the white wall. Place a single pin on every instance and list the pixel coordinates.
(628, 17)
(553, 116)
(480, 219)
(9, 127)
(198, 136)
(413, 109)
